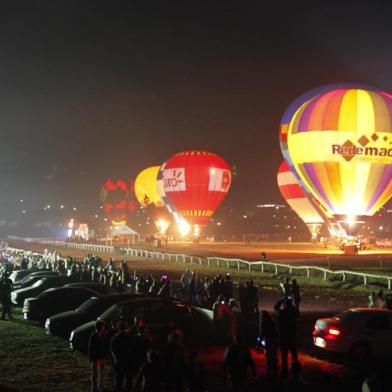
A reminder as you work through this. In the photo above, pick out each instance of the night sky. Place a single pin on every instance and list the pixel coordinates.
(98, 89)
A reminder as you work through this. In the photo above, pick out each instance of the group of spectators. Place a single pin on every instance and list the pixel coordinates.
(136, 366)
(380, 300)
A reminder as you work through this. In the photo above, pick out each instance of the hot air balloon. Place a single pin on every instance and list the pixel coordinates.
(296, 198)
(146, 192)
(182, 225)
(117, 200)
(196, 182)
(340, 145)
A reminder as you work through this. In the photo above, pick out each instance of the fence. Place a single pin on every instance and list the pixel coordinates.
(255, 266)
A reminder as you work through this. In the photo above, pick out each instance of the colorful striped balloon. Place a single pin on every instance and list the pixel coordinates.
(340, 145)
(292, 192)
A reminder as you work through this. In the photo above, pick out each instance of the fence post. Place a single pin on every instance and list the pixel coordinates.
(344, 276)
(238, 265)
(262, 267)
(276, 269)
(228, 264)
(364, 279)
(325, 274)
(307, 272)
(291, 270)
(183, 259)
(250, 266)
(389, 284)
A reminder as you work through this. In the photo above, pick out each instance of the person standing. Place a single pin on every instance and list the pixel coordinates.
(296, 292)
(6, 286)
(269, 340)
(98, 354)
(287, 316)
(236, 361)
(122, 354)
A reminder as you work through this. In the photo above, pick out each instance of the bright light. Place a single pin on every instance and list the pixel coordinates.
(74, 208)
(219, 223)
(212, 171)
(21, 200)
(61, 207)
(183, 227)
(48, 206)
(196, 231)
(162, 225)
(334, 331)
(23, 211)
(96, 216)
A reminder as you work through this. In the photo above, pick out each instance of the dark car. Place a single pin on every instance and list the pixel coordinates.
(98, 287)
(18, 275)
(161, 316)
(18, 296)
(55, 300)
(63, 323)
(34, 277)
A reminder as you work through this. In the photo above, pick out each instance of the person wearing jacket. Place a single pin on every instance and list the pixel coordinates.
(98, 354)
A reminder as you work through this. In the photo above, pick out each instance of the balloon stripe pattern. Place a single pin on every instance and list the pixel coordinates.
(340, 145)
(295, 197)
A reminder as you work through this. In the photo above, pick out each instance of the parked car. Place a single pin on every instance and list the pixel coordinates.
(18, 275)
(357, 332)
(55, 300)
(18, 296)
(34, 277)
(63, 323)
(98, 287)
(161, 316)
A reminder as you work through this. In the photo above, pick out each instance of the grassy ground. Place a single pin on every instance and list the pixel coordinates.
(32, 361)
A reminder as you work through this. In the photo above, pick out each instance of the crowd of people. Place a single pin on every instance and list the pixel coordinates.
(129, 350)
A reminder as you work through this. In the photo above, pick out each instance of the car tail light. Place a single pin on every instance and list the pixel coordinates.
(315, 330)
(334, 331)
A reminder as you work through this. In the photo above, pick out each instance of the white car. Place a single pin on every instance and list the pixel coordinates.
(359, 332)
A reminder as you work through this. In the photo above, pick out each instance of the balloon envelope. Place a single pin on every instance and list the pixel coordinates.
(296, 198)
(196, 182)
(117, 200)
(146, 187)
(340, 145)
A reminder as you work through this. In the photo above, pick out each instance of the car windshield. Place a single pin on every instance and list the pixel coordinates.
(88, 305)
(347, 316)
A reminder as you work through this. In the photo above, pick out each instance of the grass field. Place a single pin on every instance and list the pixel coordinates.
(33, 361)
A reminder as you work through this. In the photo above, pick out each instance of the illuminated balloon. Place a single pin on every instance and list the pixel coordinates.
(292, 192)
(146, 187)
(196, 182)
(340, 145)
(117, 200)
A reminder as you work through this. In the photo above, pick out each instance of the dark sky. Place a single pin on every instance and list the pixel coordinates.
(97, 89)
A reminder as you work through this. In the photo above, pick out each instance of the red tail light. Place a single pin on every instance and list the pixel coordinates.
(334, 331)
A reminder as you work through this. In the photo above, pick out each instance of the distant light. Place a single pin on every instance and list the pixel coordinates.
(62, 206)
(96, 216)
(21, 200)
(74, 208)
(23, 211)
(105, 219)
(245, 216)
(219, 223)
(48, 206)
(381, 228)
